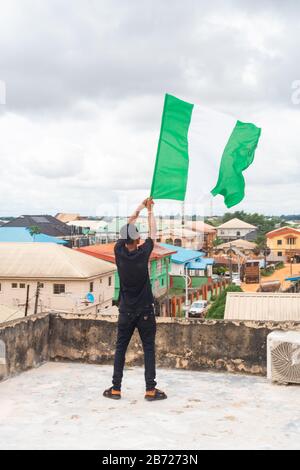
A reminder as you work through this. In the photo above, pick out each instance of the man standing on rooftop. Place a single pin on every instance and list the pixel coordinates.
(136, 309)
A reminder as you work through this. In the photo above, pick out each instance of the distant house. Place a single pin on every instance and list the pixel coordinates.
(159, 267)
(22, 234)
(284, 244)
(48, 225)
(190, 262)
(181, 237)
(104, 231)
(234, 229)
(246, 247)
(208, 232)
(69, 281)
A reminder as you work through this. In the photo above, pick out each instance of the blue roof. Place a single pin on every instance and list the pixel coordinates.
(196, 265)
(22, 234)
(183, 255)
(294, 279)
(201, 264)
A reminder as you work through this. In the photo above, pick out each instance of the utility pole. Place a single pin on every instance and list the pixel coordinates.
(168, 297)
(27, 300)
(230, 263)
(37, 293)
(182, 214)
(291, 265)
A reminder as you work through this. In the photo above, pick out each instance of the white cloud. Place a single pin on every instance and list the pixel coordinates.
(85, 84)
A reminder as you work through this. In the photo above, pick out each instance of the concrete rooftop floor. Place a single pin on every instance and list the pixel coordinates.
(60, 406)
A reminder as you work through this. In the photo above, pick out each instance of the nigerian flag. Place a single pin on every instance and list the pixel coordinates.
(214, 147)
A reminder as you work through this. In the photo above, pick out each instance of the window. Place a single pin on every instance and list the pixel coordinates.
(279, 242)
(22, 285)
(291, 241)
(109, 281)
(0, 286)
(162, 282)
(91, 287)
(41, 285)
(159, 266)
(14, 285)
(279, 253)
(58, 288)
(238, 234)
(101, 280)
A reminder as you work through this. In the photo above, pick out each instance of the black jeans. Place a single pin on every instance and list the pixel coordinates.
(146, 325)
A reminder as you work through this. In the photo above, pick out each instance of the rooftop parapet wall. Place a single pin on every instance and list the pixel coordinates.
(236, 346)
(25, 344)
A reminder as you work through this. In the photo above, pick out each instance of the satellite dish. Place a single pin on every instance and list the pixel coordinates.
(90, 298)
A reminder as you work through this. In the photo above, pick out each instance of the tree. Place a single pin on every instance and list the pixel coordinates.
(217, 308)
(217, 241)
(34, 230)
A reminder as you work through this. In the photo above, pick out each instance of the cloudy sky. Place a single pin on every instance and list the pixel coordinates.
(85, 82)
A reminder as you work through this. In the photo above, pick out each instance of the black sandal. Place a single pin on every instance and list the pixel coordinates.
(112, 393)
(155, 394)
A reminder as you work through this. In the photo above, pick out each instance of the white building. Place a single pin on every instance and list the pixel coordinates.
(65, 278)
(234, 229)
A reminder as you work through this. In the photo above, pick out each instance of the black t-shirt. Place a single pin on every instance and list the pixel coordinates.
(135, 286)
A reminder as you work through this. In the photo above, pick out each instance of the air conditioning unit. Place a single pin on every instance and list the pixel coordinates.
(283, 357)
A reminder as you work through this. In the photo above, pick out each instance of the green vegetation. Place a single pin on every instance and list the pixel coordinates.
(267, 271)
(279, 265)
(34, 230)
(217, 308)
(219, 270)
(217, 241)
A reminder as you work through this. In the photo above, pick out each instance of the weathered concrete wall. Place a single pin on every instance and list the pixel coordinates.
(234, 346)
(26, 344)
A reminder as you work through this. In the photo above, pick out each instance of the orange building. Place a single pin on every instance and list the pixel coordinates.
(284, 244)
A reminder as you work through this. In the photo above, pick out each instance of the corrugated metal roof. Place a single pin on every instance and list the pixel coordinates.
(22, 234)
(48, 261)
(106, 251)
(262, 306)
(236, 223)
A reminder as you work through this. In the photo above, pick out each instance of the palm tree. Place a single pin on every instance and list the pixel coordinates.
(34, 230)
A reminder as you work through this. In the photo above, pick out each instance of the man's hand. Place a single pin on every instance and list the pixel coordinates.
(149, 203)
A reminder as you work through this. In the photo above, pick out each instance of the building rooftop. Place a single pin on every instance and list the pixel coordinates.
(105, 251)
(60, 406)
(262, 306)
(182, 255)
(67, 217)
(240, 243)
(288, 231)
(48, 261)
(47, 223)
(200, 226)
(22, 234)
(236, 223)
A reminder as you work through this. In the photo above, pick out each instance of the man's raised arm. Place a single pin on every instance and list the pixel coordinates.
(137, 211)
(151, 219)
